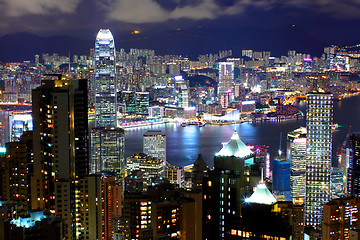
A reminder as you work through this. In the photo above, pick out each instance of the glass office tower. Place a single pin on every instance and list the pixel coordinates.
(318, 156)
(107, 140)
(105, 80)
(297, 154)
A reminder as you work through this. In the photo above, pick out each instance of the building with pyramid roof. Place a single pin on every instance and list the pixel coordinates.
(234, 155)
(227, 186)
(262, 195)
(262, 217)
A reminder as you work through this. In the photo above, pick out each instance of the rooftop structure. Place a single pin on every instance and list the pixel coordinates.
(262, 195)
(236, 148)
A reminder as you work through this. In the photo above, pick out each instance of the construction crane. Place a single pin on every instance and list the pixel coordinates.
(338, 153)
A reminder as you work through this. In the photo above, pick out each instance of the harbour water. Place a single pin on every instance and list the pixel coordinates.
(185, 143)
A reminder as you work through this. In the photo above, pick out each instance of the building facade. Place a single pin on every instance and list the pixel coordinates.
(107, 140)
(60, 147)
(340, 215)
(297, 155)
(154, 144)
(226, 77)
(355, 165)
(318, 156)
(105, 80)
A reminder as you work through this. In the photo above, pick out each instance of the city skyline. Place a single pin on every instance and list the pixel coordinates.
(266, 25)
(111, 152)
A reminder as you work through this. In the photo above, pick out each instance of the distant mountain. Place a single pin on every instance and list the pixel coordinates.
(193, 42)
(23, 46)
(187, 42)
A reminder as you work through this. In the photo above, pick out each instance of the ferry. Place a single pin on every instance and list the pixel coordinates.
(200, 124)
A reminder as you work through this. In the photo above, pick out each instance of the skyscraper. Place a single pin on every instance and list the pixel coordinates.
(226, 77)
(107, 150)
(232, 174)
(318, 156)
(107, 140)
(355, 166)
(297, 154)
(154, 144)
(105, 80)
(281, 175)
(60, 147)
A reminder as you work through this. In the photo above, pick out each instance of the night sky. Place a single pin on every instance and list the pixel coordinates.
(325, 21)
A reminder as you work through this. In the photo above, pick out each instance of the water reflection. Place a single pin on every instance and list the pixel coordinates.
(185, 143)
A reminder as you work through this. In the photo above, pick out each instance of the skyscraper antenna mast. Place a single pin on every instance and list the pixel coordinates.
(279, 151)
(69, 64)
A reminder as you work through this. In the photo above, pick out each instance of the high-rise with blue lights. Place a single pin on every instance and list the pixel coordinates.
(281, 175)
(318, 156)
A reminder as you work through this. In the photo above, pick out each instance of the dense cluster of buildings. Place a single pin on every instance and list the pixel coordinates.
(64, 174)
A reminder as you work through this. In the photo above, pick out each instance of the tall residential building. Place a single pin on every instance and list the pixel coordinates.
(318, 156)
(111, 200)
(150, 167)
(154, 144)
(105, 80)
(14, 170)
(340, 215)
(88, 208)
(107, 140)
(226, 77)
(355, 165)
(297, 155)
(163, 212)
(60, 147)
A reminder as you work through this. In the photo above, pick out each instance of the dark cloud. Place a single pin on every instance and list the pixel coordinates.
(16, 8)
(77, 16)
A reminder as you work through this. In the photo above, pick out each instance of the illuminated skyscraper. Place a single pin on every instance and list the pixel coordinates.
(154, 144)
(297, 155)
(226, 77)
(60, 147)
(354, 185)
(231, 182)
(107, 141)
(107, 150)
(318, 156)
(105, 80)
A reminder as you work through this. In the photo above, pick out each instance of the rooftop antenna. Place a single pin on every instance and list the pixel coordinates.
(279, 151)
(69, 64)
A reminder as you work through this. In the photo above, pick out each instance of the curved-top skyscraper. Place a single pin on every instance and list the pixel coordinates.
(107, 141)
(105, 80)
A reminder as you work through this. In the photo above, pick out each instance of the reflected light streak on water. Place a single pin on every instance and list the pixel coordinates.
(185, 143)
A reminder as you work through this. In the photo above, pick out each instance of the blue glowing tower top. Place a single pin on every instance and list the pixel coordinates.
(105, 80)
